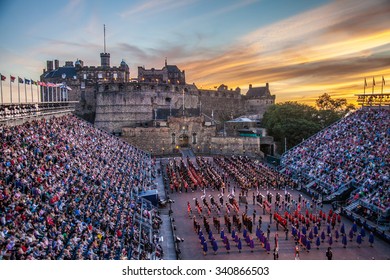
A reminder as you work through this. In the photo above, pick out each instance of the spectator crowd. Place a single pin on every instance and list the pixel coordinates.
(69, 191)
(355, 149)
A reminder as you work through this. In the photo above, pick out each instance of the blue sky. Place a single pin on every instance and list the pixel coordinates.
(293, 45)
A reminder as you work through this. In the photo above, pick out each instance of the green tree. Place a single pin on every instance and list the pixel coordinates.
(294, 121)
(291, 121)
(326, 102)
(331, 110)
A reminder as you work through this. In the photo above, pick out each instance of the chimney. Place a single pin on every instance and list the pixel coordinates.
(49, 65)
(266, 85)
(56, 64)
(250, 86)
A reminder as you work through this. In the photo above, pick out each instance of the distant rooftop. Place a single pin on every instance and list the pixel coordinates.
(257, 92)
(242, 119)
(69, 71)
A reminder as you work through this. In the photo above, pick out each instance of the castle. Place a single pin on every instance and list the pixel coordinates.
(159, 110)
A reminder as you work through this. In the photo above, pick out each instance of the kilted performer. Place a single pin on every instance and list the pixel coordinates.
(308, 245)
(344, 240)
(215, 246)
(336, 235)
(227, 246)
(359, 240)
(251, 245)
(371, 238)
(318, 242)
(323, 236)
(363, 233)
(342, 229)
(205, 248)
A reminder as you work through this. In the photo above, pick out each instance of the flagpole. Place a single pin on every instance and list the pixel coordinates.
(32, 95)
(383, 81)
(365, 84)
(37, 92)
(1, 88)
(10, 87)
(25, 90)
(373, 84)
(18, 90)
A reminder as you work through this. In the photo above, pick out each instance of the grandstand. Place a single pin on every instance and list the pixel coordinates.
(70, 191)
(349, 162)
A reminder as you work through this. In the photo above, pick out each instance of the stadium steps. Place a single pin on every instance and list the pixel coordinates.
(310, 184)
(167, 237)
(352, 206)
(187, 152)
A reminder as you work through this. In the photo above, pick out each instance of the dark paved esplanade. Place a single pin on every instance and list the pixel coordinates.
(191, 248)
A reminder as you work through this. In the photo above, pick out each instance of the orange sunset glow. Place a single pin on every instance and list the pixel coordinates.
(302, 49)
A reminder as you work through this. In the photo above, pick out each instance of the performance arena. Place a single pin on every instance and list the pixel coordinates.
(69, 191)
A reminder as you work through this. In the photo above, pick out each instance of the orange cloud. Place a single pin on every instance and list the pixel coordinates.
(304, 56)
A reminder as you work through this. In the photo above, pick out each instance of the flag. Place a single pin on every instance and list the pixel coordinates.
(34, 82)
(50, 85)
(383, 80)
(12, 78)
(20, 80)
(26, 81)
(3, 78)
(373, 81)
(42, 84)
(365, 82)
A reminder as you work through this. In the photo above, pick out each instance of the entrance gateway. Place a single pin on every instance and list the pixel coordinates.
(183, 140)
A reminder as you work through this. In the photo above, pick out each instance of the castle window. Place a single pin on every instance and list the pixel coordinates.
(194, 138)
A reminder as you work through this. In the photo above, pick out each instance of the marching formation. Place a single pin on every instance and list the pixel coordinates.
(223, 222)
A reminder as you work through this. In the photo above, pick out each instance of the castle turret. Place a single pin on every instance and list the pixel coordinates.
(105, 59)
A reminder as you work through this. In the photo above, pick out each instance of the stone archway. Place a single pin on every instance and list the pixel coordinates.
(183, 140)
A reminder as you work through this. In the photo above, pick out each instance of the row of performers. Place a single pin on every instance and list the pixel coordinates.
(207, 207)
(185, 178)
(234, 224)
(264, 242)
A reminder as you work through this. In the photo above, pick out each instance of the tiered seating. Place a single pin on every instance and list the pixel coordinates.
(353, 150)
(69, 191)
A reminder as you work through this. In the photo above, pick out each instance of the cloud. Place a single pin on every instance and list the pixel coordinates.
(154, 7)
(330, 47)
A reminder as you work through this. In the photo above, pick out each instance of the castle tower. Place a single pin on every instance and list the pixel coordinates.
(105, 56)
(105, 59)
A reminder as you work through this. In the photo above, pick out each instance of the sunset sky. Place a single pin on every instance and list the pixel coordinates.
(301, 48)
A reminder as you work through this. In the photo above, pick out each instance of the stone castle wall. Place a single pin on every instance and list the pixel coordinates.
(119, 105)
(233, 145)
(224, 105)
(259, 105)
(166, 139)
